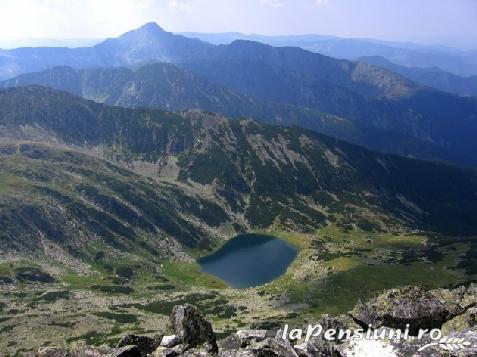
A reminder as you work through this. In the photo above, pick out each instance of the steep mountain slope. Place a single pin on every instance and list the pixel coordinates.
(166, 86)
(432, 77)
(61, 201)
(356, 91)
(150, 43)
(260, 174)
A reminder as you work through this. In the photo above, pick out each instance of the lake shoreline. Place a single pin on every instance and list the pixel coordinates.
(241, 260)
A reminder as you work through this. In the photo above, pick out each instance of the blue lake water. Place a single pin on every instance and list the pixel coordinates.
(250, 260)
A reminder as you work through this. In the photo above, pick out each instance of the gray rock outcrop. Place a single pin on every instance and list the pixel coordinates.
(411, 305)
(454, 310)
(192, 329)
(145, 345)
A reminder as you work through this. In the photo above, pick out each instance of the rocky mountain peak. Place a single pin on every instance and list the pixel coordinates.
(149, 31)
(151, 26)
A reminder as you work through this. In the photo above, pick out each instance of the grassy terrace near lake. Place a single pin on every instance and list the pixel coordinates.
(335, 268)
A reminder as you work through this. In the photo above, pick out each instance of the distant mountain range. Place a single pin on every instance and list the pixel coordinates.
(166, 86)
(353, 90)
(433, 77)
(363, 103)
(458, 62)
(215, 175)
(447, 69)
(148, 44)
(49, 42)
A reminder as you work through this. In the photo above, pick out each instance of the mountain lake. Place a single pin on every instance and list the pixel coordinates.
(249, 260)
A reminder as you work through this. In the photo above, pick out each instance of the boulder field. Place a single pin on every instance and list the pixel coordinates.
(453, 312)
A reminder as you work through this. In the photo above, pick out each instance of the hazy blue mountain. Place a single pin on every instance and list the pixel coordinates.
(166, 86)
(354, 90)
(149, 43)
(158, 85)
(391, 113)
(433, 77)
(459, 62)
(49, 42)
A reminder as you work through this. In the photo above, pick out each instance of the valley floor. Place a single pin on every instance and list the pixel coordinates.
(334, 269)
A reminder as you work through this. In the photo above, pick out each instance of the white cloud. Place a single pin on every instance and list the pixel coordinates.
(179, 4)
(186, 4)
(72, 18)
(272, 3)
(396, 20)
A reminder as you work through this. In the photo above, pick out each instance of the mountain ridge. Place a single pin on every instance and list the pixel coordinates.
(352, 90)
(166, 86)
(456, 61)
(148, 43)
(433, 76)
(360, 93)
(257, 171)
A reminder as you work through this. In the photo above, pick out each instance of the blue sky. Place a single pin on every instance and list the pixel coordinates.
(451, 22)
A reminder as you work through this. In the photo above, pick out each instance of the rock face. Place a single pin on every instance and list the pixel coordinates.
(467, 320)
(398, 307)
(191, 328)
(272, 347)
(319, 346)
(242, 339)
(127, 351)
(170, 341)
(454, 310)
(146, 345)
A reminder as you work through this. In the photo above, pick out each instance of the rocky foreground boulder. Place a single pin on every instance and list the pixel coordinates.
(411, 306)
(444, 319)
(145, 345)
